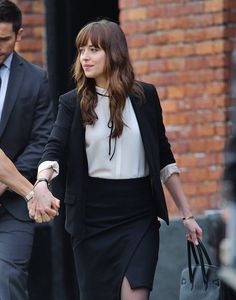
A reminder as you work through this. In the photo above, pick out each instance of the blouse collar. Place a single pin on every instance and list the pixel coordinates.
(101, 91)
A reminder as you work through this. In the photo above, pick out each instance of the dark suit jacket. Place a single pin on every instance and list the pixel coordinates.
(25, 125)
(67, 142)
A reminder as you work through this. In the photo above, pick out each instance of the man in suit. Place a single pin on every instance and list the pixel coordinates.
(25, 123)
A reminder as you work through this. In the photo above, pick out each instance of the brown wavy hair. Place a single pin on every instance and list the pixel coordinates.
(118, 71)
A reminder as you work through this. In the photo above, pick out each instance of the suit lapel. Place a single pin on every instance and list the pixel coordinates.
(13, 88)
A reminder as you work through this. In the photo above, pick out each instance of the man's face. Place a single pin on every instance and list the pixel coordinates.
(8, 39)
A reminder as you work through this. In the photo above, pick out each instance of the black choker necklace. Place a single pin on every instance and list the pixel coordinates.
(104, 95)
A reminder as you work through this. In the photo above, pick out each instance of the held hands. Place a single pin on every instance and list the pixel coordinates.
(193, 229)
(43, 207)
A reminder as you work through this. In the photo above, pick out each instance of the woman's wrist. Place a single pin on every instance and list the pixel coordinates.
(189, 217)
(42, 180)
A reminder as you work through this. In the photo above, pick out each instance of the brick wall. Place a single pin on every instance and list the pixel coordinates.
(184, 48)
(32, 46)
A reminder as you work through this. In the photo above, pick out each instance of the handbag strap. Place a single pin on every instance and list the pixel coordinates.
(202, 253)
(207, 257)
(204, 275)
(191, 250)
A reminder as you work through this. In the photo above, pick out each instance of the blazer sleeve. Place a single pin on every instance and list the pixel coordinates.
(58, 140)
(41, 127)
(166, 155)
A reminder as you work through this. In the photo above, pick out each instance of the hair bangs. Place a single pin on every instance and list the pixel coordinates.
(94, 33)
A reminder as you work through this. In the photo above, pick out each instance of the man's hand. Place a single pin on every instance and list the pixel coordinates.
(43, 207)
(3, 187)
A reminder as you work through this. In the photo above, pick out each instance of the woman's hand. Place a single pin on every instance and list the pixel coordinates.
(44, 206)
(194, 231)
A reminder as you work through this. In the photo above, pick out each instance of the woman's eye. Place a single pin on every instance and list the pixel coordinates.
(94, 49)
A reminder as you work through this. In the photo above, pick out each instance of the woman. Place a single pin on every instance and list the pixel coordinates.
(110, 134)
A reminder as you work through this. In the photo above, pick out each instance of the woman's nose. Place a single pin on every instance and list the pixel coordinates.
(85, 55)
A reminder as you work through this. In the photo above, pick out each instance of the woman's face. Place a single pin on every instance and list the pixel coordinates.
(93, 60)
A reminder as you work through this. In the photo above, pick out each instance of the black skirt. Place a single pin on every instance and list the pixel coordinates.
(122, 238)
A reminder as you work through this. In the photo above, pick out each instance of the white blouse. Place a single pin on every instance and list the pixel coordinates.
(129, 159)
(126, 158)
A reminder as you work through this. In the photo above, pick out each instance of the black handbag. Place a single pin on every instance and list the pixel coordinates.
(200, 281)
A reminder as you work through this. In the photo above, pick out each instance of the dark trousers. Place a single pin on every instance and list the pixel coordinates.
(16, 240)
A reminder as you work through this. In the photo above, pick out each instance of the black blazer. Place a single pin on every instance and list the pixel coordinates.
(25, 125)
(67, 143)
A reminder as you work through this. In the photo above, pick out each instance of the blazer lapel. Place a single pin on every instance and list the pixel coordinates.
(14, 85)
(78, 133)
(143, 127)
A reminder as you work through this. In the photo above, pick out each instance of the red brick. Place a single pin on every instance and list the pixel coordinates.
(177, 119)
(207, 187)
(38, 32)
(134, 53)
(214, 5)
(28, 56)
(169, 106)
(158, 65)
(130, 28)
(141, 67)
(175, 36)
(149, 52)
(218, 18)
(174, 92)
(32, 20)
(196, 174)
(221, 130)
(28, 32)
(137, 40)
(216, 88)
(190, 189)
(195, 35)
(221, 101)
(127, 3)
(176, 64)
(134, 3)
(215, 32)
(187, 160)
(204, 48)
(162, 92)
(165, 78)
(136, 14)
(26, 7)
(217, 60)
(179, 147)
(156, 11)
(38, 7)
(231, 4)
(157, 38)
(176, 10)
(147, 26)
